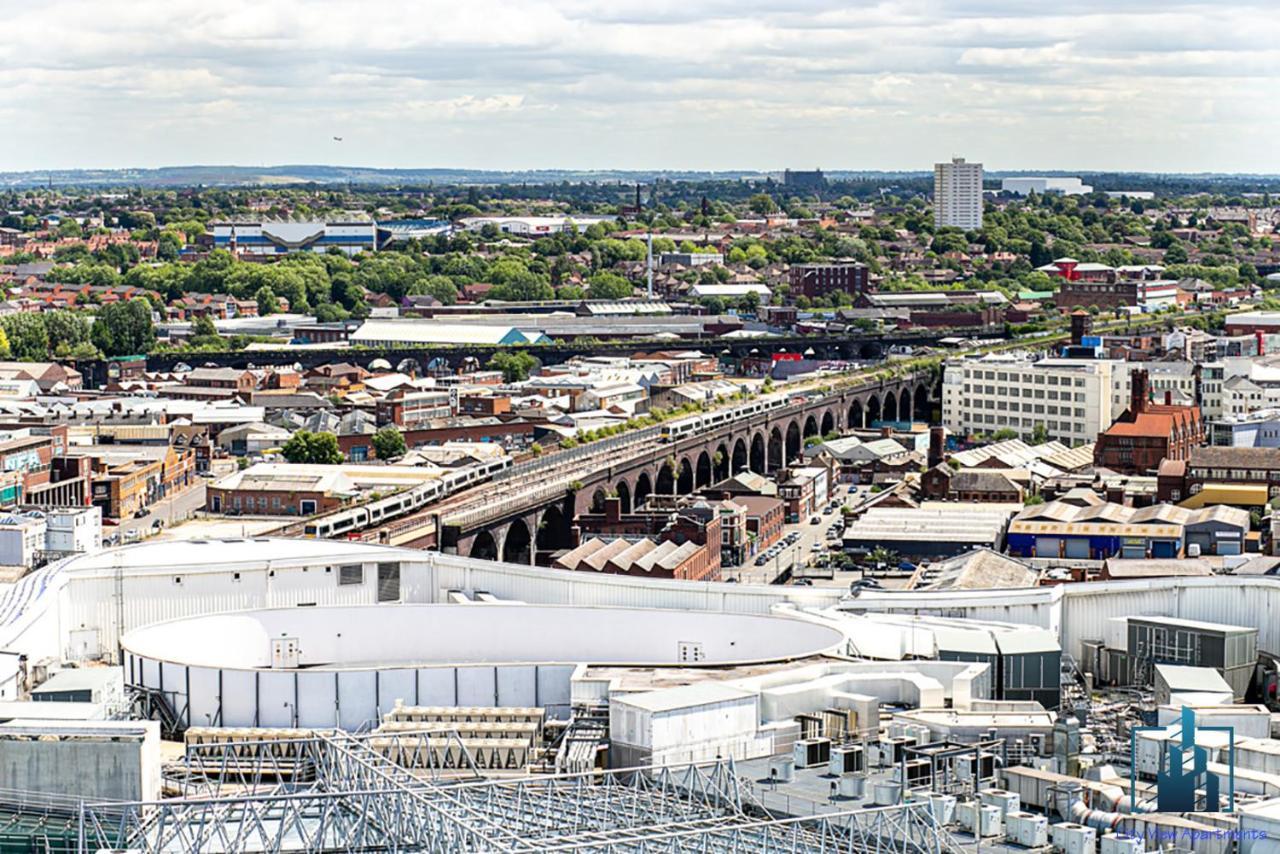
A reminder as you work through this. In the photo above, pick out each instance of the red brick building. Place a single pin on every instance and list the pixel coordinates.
(1147, 434)
(818, 280)
(765, 519)
(694, 529)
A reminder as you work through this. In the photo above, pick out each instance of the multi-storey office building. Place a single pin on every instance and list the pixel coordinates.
(1074, 399)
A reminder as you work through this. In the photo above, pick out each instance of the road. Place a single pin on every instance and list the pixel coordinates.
(796, 555)
(172, 509)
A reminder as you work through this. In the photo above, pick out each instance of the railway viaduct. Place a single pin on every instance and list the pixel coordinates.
(851, 345)
(528, 531)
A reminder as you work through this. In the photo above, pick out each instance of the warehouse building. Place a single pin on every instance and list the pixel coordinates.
(936, 529)
(1059, 529)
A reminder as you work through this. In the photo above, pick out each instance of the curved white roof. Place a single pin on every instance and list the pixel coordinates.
(391, 636)
(217, 554)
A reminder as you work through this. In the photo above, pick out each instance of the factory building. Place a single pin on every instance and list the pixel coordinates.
(936, 529)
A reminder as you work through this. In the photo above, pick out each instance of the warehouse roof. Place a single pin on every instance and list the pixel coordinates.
(1199, 679)
(686, 696)
(1155, 567)
(1201, 625)
(1013, 453)
(980, 569)
(1233, 457)
(972, 522)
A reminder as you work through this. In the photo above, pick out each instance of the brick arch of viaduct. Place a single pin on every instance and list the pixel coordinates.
(761, 447)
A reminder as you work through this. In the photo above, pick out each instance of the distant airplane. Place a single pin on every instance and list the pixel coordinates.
(337, 139)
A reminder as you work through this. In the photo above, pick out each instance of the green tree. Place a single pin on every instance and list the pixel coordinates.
(610, 286)
(265, 297)
(440, 287)
(388, 443)
(68, 334)
(204, 333)
(124, 328)
(515, 365)
(28, 337)
(762, 203)
(316, 448)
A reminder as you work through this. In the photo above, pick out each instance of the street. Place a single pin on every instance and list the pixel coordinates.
(789, 557)
(169, 510)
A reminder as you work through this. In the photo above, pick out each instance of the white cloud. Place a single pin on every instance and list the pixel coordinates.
(642, 83)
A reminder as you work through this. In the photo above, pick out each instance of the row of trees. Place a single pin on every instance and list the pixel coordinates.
(118, 329)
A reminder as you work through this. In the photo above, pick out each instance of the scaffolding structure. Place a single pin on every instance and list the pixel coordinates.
(334, 792)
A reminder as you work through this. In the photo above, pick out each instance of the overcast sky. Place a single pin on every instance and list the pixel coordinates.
(697, 84)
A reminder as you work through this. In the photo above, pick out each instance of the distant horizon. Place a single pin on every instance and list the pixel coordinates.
(622, 170)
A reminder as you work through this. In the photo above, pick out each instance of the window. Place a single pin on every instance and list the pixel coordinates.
(350, 574)
(388, 582)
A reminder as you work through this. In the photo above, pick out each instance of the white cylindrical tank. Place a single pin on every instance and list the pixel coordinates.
(853, 786)
(886, 793)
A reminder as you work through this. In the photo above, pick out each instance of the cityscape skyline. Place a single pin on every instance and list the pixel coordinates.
(696, 85)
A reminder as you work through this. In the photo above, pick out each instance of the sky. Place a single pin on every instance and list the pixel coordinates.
(642, 84)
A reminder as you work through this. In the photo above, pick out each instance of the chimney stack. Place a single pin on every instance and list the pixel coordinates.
(1139, 391)
(937, 445)
(1081, 325)
(613, 509)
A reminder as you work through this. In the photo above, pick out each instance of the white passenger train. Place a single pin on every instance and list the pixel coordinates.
(358, 518)
(680, 427)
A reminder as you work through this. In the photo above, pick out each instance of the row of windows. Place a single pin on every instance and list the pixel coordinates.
(1013, 391)
(1038, 379)
(1054, 427)
(1039, 408)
